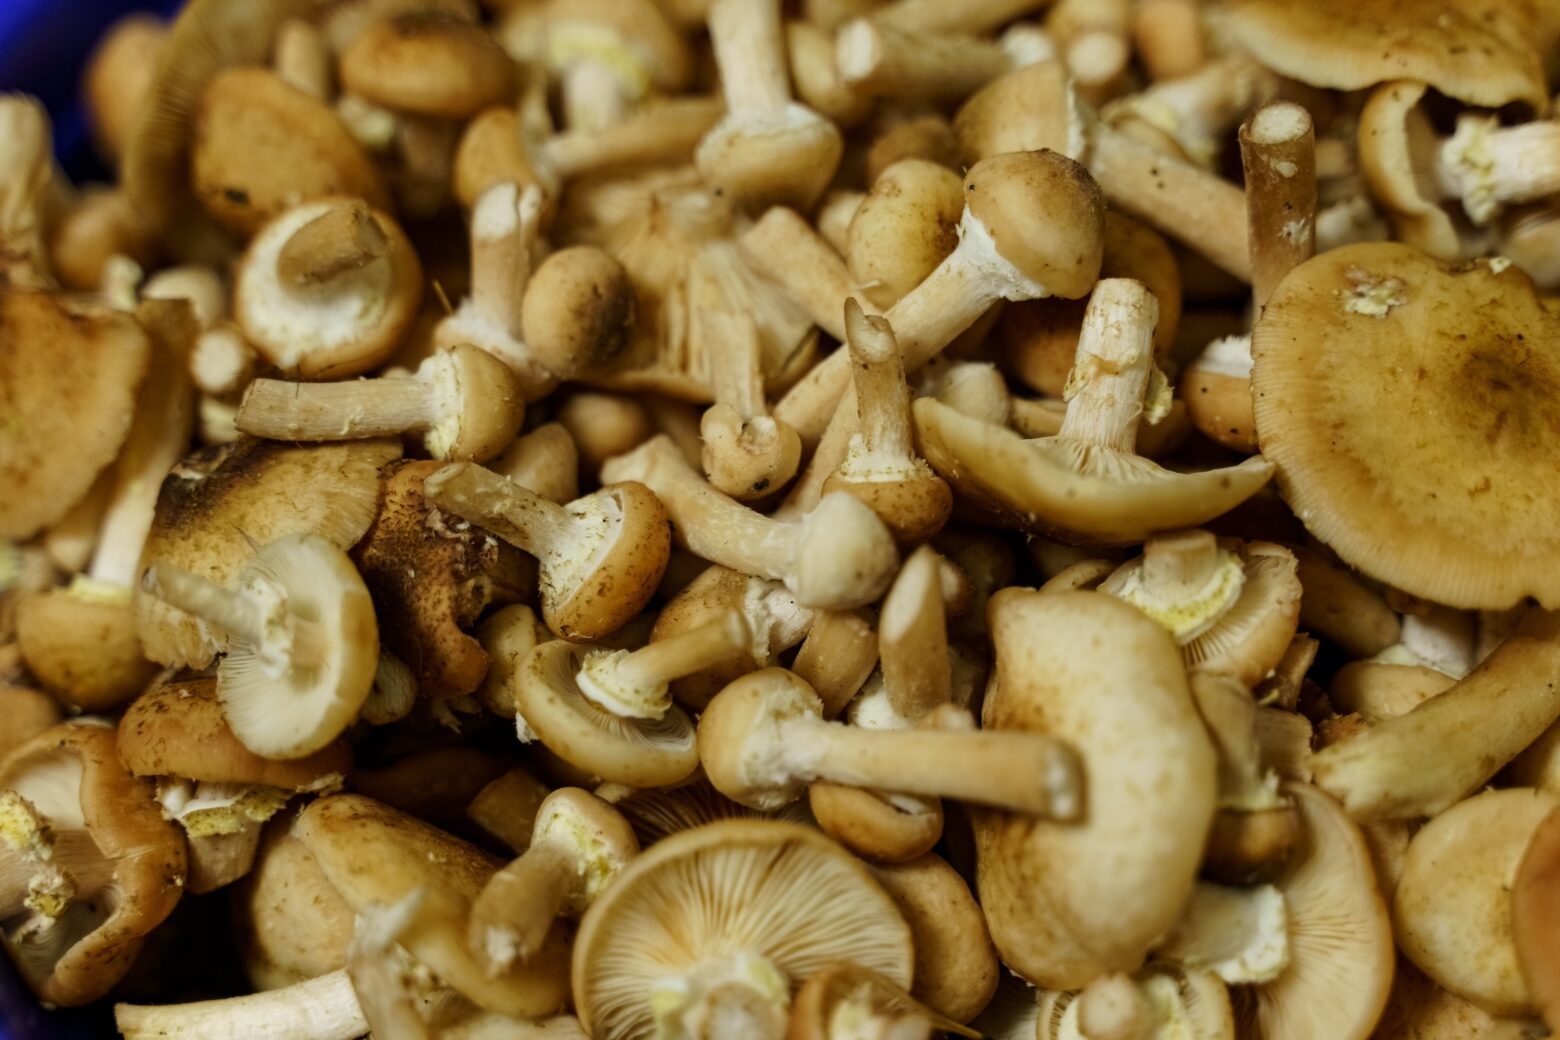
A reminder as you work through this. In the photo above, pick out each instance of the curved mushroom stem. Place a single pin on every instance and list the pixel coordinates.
(323, 1008)
(1486, 165)
(666, 132)
(878, 375)
(687, 653)
(343, 239)
(515, 513)
(913, 638)
(1278, 154)
(882, 61)
(751, 55)
(302, 58)
(504, 229)
(510, 919)
(1115, 355)
(235, 612)
(386, 406)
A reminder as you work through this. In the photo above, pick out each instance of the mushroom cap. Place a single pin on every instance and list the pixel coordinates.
(1089, 669)
(218, 504)
(845, 555)
(1026, 110)
(493, 151)
(740, 723)
(956, 969)
(177, 729)
(1045, 216)
(262, 146)
(1340, 938)
(1378, 691)
(1535, 913)
(1422, 1010)
(718, 589)
(786, 157)
(1453, 904)
(593, 598)
(1361, 343)
(291, 923)
(334, 328)
(484, 402)
(428, 63)
(26, 713)
(913, 508)
(1071, 491)
(82, 646)
(763, 887)
(119, 76)
(72, 775)
(69, 374)
(432, 576)
(374, 854)
(1484, 52)
(634, 38)
(904, 228)
(841, 995)
(871, 826)
(638, 752)
(1396, 149)
(577, 310)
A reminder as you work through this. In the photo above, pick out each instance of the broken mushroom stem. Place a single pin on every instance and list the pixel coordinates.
(637, 683)
(259, 616)
(1115, 360)
(913, 638)
(1278, 154)
(504, 230)
(42, 870)
(1486, 165)
(343, 239)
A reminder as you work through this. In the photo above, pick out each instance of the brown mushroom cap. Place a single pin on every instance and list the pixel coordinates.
(68, 380)
(848, 993)
(1027, 109)
(217, 505)
(1045, 216)
(874, 827)
(1484, 52)
(956, 969)
(25, 714)
(177, 729)
(373, 854)
(429, 63)
(1363, 342)
(1394, 132)
(1535, 917)
(82, 647)
(577, 311)
(291, 923)
(904, 228)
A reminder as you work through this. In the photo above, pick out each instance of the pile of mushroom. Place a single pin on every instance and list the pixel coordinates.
(825, 520)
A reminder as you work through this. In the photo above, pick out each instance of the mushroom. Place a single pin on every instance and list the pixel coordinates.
(600, 557)
(1085, 485)
(1086, 669)
(956, 967)
(785, 247)
(767, 149)
(216, 506)
(707, 932)
(836, 658)
(546, 460)
(904, 228)
(845, 1000)
(1533, 910)
(1340, 607)
(1453, 910)
(464, 402)
(577, 311)
(434, 783)
(506, 807)
(882, 827)
(881, 61)
(1239, 934)
(881, 467)
(1421, 1009)
(431, 579)
(322, 1008)
(579, 845)
(26, 713)
(328, 289)
(373, 854)
(90, 865)
(1160, 999)
(763, 738)
(117, 78)
(1231, 608)
(838, 555)
(289, 922)
(1188, 117)
(302, 642)
(96, 239)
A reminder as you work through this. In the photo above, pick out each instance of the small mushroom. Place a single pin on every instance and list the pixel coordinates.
(904, 228)
(577, 311)
(579, 845)
(600, 557)
(838, 555)
(707, 932)
(956, 968)
(846, 999)
(290, 923)
(1158, 999)
(763, 738)
(1188, 117)
(92, 240)
(546, 460)
(839, 653)
(302, 642)
(1533, 913)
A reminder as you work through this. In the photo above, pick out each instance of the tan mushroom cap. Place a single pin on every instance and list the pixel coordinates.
(1484, 52)
(692, 904)
(217, 505)
(1360, 344)
(83, 647)
(291, 924)
(428, 63)
(1045, 216)
(24, 713)
(843, 996)
(373, 854)
(904, 228)
(1025, 110)
(68, 380)
(177, 729)
(578, 310)
(1421, 1010)
(72, 776)
(118, 77)
(1535, 918)
(956, 969)
(872, 826)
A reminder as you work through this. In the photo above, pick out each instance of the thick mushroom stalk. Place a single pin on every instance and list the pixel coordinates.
(637, 683)
(877, 60)
(257, 616)
(763, 738)
(839, 555)
(913, 639)
(1186, 583)
(1486, 166)
(579, 844)
(768, 149)
(323, 1008)
(464, 402)
(600, 557)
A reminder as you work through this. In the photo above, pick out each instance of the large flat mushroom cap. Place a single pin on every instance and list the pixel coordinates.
(1410, 408)
(68, 380)
(1484, 52)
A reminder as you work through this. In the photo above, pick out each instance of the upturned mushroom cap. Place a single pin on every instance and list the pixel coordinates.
(428, 63)
(1365, 341)
(1535, 909)
(68, 379)
(752, 906)
(373, 854)
(1045, 216)
(72, 777)
(1091, 670)
(261, 146)
(1484, 52)
(956, 967)
(1394, 134)
(177, 729)
(218, 504)
(79, 642)
(1453, 907)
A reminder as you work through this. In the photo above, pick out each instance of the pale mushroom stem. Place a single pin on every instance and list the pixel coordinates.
(686, 653)
(1278, 154)
(878, 375)
(913, 639)
(738, 373)
(341, 240)
(784, 246)
(592, 99)
(1178, 565)
(1115, 356)
(1485, 164)
(888, 62)
(965, 16)
(504, 227)
(837, 657)
(832, 448)
(230, 610)
(323, 1008)
(667, 132)
(747, 40)
(1020, 772)
(302, 58)
(515, 513)
(386, 406)
(510, 919)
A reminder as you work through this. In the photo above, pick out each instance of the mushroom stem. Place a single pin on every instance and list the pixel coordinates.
(1111, 373)
(878, 375)
(1486, 165)
(747, 41)
(837, 657)
(323, 1008)
(504, 227)
(592, 99)
(882, 61)
(686, 653)
(1177, 565)
(386, 406)
(515, 513)
(1278, 154)
(302, 58)
(518, 905)
(784, 246)
(664, 132)
(966, 16)
(1019, 772)
(234, 612)
(74, 868)
(913, 639)
(341, 240)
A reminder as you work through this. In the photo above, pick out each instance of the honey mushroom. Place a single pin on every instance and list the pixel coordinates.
(879, 61)
(1533, 914)
(786, 248)
(904, 228)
